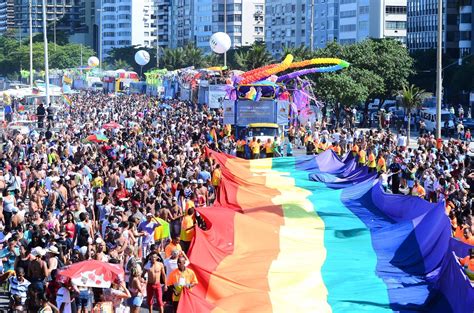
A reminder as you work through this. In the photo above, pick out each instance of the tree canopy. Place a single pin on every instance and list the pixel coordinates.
(15, 56)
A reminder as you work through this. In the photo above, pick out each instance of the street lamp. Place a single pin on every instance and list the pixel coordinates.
(439, 71)
(31, 42)
(46, 60)
(100, 34)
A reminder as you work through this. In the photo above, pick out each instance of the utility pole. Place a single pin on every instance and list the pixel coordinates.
(30, 4)
(100, 34)
(46, 61)
(54, 29)
(157, 39)
(311, 39)
(439, 70)
(225, 29)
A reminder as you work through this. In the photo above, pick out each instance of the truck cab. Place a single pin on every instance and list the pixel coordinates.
(262, 131)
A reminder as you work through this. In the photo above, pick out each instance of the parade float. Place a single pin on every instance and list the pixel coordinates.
(261, 96)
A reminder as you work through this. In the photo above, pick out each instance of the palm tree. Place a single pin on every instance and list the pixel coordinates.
(121, 64)
(412, 98)
(172, 59)
(256, 56)
(300, 53)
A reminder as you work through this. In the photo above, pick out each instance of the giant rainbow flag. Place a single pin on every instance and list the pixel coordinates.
(318, 234)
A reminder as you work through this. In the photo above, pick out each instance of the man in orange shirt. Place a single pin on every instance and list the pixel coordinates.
(180, 279)
(468, 263)
(187, 230)
(173, 245)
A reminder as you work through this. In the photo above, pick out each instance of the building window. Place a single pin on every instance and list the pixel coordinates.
(347, 28)
(395, 9)
(396, 25)
(466, 18)
(364, 9)
(363, 26)
(351, 13)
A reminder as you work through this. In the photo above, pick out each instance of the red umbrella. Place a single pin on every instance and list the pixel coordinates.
(92, 273)
(112, 125)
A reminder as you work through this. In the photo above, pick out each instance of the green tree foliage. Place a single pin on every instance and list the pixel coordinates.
(255, 56)
(379, 69)
(412, 98)
(127, 55)
(13, 56)
(300, 53)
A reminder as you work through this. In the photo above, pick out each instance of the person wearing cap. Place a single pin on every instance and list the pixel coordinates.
(38, 269)
(202, 193)
(52, 254)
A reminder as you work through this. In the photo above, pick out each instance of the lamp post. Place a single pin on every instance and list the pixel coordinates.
(31, 42)
(311, 39)
(46, 60)
(100, 35)
(225, 29)
(439, 70)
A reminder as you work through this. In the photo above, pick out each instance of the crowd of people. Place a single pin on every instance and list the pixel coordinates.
(122, 166)
(66, 199)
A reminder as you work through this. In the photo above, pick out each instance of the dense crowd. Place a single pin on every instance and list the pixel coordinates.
(99, 179)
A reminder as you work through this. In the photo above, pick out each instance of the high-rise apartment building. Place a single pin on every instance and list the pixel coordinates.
(458, 16)
(194, 21)
(294, 23)
(285, 24)
(162, 22)
(3, 16)
(245, 22)
(61, 15)
(124, 23)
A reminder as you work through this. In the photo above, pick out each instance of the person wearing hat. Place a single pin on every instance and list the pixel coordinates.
(52, 254)
(202, 193)
(38, 269)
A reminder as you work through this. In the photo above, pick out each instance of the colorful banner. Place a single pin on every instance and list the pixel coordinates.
(317, 234)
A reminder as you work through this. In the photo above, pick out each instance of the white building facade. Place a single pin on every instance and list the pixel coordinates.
(285, 24)
(293, 23)
(126, 22)
(194, 21)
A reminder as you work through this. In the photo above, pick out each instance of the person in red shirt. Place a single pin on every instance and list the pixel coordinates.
(120, 193)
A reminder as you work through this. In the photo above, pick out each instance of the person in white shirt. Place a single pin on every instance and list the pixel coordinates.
(63, 300)
(171, 263)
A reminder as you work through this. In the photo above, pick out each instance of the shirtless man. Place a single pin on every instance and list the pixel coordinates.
(201, 190)
(156, 276)
(38, 269)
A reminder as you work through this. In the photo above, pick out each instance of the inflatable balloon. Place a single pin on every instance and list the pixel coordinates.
(220, 42)
(338, 65)
(267, 71)
(142, 57)
(93, 62)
